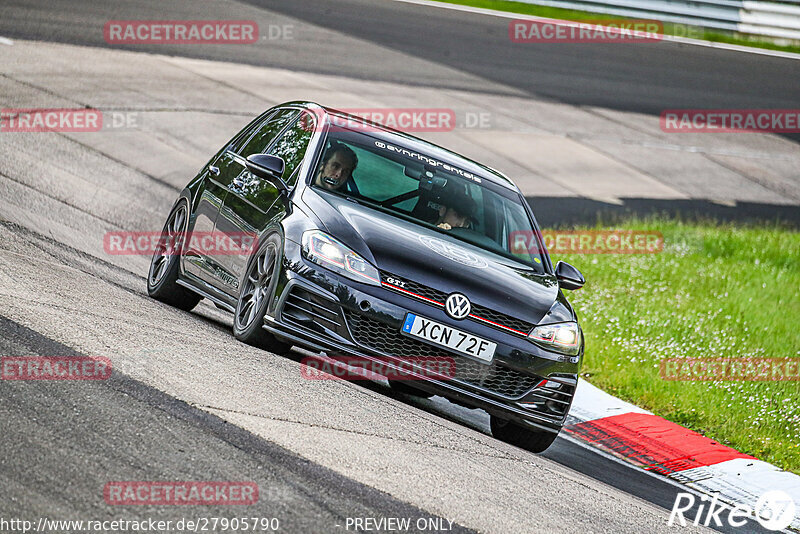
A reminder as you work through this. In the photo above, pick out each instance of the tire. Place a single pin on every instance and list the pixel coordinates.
(524, 438)
(402, 386)
(164, 265)
(255, 294)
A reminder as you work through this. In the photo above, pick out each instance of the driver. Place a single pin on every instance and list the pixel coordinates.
(337, 167)
(456, 210)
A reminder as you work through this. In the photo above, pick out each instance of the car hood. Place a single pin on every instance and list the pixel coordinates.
(441, 262)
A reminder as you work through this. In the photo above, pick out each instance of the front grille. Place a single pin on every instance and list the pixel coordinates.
(419, 289)
(552, 402)
(494, 378)
(503, 319)
(429, 294)
(309, 310)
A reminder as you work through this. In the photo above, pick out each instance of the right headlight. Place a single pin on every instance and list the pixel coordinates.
(562, 337)
(328, 252)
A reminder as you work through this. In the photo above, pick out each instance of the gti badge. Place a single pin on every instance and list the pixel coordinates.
(457, 306)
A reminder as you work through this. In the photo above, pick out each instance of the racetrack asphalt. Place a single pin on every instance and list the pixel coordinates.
(420, 45)
(568, 121)
(63, 441)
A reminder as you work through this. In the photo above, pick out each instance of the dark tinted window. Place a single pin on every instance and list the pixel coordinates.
(245, 135)
(293, 144)
(267, 132)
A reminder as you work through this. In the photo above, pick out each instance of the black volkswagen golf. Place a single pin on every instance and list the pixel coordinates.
(374, 244)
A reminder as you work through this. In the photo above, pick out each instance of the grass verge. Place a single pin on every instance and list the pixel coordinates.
(714, 291)
(680, 30)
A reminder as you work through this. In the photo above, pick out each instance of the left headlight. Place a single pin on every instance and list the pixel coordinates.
(562, 337)
(326, 251)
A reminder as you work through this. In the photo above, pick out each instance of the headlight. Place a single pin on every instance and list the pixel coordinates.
(563, 337)
(326, 251)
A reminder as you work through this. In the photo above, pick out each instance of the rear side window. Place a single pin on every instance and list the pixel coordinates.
(261, 139)
(293, 144)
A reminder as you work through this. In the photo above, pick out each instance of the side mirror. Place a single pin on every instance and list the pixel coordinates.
(268, 168)
(568, 276)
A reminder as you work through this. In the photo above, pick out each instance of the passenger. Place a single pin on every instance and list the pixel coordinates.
(456, 210)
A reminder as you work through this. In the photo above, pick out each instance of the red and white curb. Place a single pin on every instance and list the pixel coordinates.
(660, 446)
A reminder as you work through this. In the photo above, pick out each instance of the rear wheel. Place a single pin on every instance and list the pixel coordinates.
(531, 440)
(163, 274)
(255, 295)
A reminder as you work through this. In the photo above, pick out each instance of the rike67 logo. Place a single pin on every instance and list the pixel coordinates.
(774, 510)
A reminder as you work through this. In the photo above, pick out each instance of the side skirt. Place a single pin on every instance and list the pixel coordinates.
(206, 294)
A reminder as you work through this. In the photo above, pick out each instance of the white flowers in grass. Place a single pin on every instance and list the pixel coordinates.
(635, 311)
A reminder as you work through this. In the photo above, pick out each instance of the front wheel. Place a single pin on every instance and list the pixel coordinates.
(163, 274)
(531, 440)
(255, 295)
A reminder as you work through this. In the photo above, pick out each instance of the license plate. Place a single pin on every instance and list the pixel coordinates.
(451, 338)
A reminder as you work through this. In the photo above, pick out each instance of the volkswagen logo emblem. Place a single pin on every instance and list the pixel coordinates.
(457, 306)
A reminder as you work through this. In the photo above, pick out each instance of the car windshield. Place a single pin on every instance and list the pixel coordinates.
(428, 192)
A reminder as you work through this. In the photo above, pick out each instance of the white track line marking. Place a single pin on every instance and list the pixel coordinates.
(5, 41)
(670, 38)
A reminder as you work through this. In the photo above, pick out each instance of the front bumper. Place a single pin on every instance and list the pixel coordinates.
(318, 309)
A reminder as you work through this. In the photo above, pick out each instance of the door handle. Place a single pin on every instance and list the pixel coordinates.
(214, 171)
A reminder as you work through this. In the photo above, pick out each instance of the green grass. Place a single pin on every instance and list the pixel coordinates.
(669, 28)
(714, 291)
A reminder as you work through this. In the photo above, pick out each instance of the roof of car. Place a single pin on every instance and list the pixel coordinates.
(411, 142)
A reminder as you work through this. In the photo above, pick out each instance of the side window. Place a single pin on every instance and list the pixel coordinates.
(293, 144)
(245, 135)
(259, 142)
